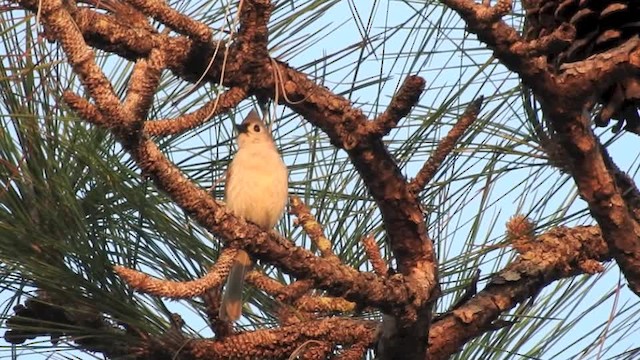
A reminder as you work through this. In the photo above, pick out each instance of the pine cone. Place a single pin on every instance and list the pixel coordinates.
(33, 319)
(600, 26)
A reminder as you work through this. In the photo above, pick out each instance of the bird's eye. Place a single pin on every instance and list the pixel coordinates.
(256, 128)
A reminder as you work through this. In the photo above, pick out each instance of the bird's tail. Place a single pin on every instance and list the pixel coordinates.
(231, 306)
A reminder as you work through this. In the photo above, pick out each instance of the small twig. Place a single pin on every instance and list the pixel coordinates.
(520, 233)
(499, 324)
(311, 226)
(445, 146)
(285, 312)
(182, 24)
(179, 290)
(221, 104)
(354, 352)
(86, 110)
(264, 283)
(295, 290)
(292, 295)
(495, 13)
(123, 12)
(287, 315)
(324, 304)
(375, 257)
(212, 300)
(483, 13)
(177, 323)
(284, 293)
(553, 43)
(403, 101)
(307, 351)
(143, 83)
(253, 34)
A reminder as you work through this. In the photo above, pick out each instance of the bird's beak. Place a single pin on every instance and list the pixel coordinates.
(242, 128)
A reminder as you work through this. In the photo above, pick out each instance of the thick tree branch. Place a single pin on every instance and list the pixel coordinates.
(403, 219)
(557, 254)
(345, 125)
(338, 279)
(554, 255)
(272, 343)
(597, 187)
(566, 100)
(597, 73)
(391, 295)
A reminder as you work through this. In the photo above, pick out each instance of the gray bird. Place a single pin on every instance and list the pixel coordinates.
(256, 189)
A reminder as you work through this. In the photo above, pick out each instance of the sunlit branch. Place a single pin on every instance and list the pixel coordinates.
(311, 226)
(143, 84)
(221, 104)
(445, 146)
(401, 103)
(160, 11)
(375, 257)
(180, 289)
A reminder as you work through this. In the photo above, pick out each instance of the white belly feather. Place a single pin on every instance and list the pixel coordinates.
(258, 189)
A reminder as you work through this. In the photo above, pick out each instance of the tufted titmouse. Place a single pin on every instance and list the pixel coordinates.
(255, 189)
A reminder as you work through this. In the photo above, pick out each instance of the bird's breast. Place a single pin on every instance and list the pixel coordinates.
(258, 186)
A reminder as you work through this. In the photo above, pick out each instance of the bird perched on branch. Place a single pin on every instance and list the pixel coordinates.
(256, 189)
